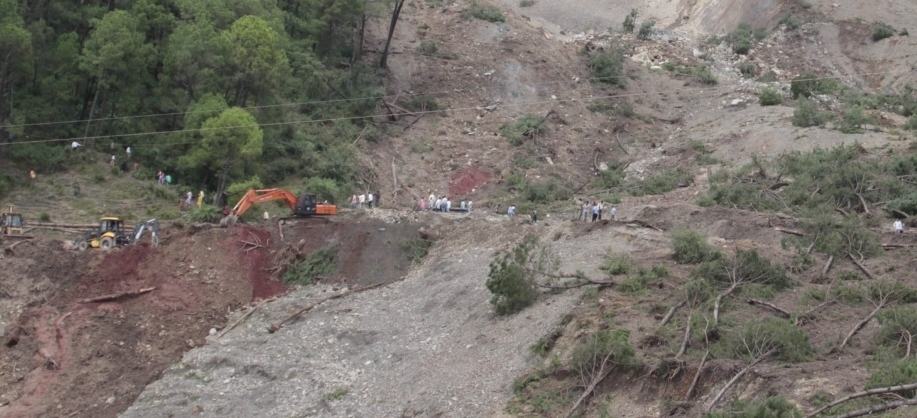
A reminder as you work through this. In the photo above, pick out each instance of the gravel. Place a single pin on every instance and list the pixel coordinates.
(427, 345)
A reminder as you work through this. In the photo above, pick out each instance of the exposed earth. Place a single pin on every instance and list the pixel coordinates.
(417, 338)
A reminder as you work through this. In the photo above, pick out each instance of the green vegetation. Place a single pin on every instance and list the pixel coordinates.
(526, 3)
(44, 217)
(747, 69)
(691, 247)
(743, 268)
(513, 274)
(770, 97)
(608, 68)
(337, 395)
(792, 22)
(783, 340)
(881, 31)
(487, 13)
(638, 282)
(206, 214)
(416, 249)
(771, 407)
(526, 127)
(661, 182)
(629, 21)
(202, 66)
(807, 114)
(854, 118)
(605, 345)
(646, 29)
(700, 73)
(743, 37)
(808, 85)
(318, 264)
(615, 264)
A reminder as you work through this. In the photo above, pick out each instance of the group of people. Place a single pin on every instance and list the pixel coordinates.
(595, 209)
(163, 178)
(186, 203)
(368, 199)
(442, 204)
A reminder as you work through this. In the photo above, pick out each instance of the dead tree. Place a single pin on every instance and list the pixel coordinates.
(877, 391)
(742, 268)
(383, 62)
(881, 295)
(592, 378)
(756, 351)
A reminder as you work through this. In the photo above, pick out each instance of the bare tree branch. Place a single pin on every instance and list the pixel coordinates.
(671, 312)
(696, 376)
(738, 376)
(870, 392)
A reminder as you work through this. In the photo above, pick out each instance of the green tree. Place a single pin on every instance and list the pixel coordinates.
(229, 139)
(114, 55)
(15, 61)
(513, 275)
(256, 57)
(195, 57)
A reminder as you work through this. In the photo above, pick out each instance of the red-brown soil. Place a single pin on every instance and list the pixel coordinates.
(64, 358)
(466, 180)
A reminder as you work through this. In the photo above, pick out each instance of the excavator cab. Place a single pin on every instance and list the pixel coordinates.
(307, 205)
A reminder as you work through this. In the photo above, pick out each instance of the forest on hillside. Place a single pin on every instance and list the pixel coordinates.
(216, 92)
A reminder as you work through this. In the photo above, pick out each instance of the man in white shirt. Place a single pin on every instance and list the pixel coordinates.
(362, 199)
(614, 211)
(448, 205)
(128, 152)
(899, 226)
(469, 206)
(438, 204)
(369, 199)
(75, 145)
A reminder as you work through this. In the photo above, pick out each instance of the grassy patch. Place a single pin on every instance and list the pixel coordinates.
(608, 68)
(487, 13)
(881, 31)
(416, 249)
(320, 263)
(337, 395)
(526, 127)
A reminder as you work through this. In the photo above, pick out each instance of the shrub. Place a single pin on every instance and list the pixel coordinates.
(546, 192)
(320, 263)
(236, 190)
(789, 343)
(662, 182)
(704, 75)
(421, 103)
(747, 69)
(484, 12)
(741, 39)
(745, 267)
(894, 372)
(40, 157)
(323, 189)
(792, 22)
(691, 247)
(629, 20)
(911, 123)
(608, 67)
(427, 48)
(903, 32)
(206, 214)
(615, 264)
(526, 127)
(853, 119)
(772, 407)
(881, 31)
(899, 324)
(646, 29)
(605, 344)
(512, 275)
(4, 187)
(808, 84)
(416, 249)
(526, 3)
(807, 114)
(770, 97)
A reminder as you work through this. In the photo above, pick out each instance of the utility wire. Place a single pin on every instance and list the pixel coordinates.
(318, 102)
(419, 113)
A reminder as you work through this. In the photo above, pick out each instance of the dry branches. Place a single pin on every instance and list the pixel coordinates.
(275, 327)
(877, 391)
(671, 312)
(696, 376)
(757, 359)
(114, 296)
(782, 312)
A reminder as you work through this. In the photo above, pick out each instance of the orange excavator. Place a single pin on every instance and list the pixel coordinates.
(302, 206)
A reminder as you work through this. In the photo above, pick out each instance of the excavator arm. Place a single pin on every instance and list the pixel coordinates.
(253, 197)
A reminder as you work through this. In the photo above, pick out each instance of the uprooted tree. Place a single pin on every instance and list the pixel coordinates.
(742, 268)
(594, 359)
(516, 276)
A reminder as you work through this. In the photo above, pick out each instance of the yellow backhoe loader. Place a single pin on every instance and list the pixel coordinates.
(111, 234)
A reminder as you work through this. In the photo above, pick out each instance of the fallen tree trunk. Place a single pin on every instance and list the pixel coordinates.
(861, 266)
(790, 231)
(784, 313)
(696, 376)
(879, 408)
(876, 391)
(600, 376)
(860, 326)
(735, 379)
(684, 341)
(275, 327)
(247, 314)
(719, 298)
(671, 312)
(114, 296)
(824, 270)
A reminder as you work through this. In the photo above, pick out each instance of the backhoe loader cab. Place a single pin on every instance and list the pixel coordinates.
(11, 223)
(111, 233)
